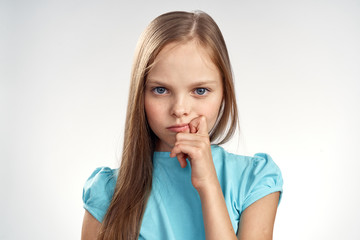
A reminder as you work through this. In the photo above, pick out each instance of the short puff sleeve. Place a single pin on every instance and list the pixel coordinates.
(98, 191)
(264, 177)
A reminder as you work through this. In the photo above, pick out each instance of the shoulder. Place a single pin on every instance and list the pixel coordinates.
(98, 191)
(251, 177)
(256, 163)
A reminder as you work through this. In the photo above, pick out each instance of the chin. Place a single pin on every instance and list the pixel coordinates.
(165, 146)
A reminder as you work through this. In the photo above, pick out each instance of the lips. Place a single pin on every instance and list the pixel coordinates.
(179, 127)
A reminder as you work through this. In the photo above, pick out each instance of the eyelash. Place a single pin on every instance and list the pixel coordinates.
(154, 90)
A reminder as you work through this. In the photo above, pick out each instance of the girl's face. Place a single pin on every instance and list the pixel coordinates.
(183, 84)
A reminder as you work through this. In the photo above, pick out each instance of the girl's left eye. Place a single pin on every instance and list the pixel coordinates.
(201, 91)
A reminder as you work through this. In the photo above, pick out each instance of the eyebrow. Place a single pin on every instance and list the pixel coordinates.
(199, 83)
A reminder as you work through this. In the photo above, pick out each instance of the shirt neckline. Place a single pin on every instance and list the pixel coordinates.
(167, 154)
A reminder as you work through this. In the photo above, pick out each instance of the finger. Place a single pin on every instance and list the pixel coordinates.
(197, 143)
(198, 125)
(175, 152)
(191, 150)
(180, 137)
(181, 157)
(187, 130)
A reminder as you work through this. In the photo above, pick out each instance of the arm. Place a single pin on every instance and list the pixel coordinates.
(90, 227)
(257, 221)
(216, 217)
(196, 146)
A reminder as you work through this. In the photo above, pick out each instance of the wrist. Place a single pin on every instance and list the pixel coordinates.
(209, 186)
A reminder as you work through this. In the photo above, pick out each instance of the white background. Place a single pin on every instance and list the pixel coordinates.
(65, 67)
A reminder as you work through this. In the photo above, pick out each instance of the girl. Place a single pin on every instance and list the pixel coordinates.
(174, 182)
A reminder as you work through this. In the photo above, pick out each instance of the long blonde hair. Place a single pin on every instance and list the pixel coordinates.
(124, 215)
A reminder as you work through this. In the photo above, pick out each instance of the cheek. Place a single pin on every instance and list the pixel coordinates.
(212, 116)
(211, 111)
(153, 110)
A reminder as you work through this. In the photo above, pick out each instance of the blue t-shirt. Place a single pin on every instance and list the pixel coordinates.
(173, 210)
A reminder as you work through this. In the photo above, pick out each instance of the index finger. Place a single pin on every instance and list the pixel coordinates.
(198, 125)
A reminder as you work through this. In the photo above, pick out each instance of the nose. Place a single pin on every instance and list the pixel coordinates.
(180, 107)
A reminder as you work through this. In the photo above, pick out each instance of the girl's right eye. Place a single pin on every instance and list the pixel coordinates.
(159, 90)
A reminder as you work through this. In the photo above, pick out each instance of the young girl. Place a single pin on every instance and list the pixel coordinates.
(174, 181)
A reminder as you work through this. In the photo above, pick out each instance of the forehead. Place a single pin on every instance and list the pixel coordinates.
(184, 60)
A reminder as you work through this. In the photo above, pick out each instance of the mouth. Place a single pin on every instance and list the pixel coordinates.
(179, 127)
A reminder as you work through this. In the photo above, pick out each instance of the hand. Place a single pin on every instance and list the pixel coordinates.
(195, 145)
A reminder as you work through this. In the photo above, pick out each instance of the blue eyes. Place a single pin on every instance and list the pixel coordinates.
(162, 90)
(159, 90)
(200, 91)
